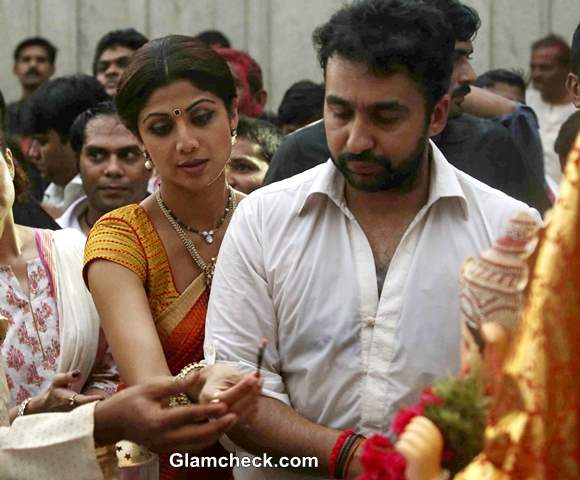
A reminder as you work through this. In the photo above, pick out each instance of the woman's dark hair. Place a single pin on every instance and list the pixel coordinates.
(165, 60)
(21, 182)
(390, 36)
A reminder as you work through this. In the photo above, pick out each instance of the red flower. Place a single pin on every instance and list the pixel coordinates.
(380, 461)
(429, 397)
(404, 416)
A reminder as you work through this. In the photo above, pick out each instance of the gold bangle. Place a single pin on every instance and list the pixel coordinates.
(182, 398)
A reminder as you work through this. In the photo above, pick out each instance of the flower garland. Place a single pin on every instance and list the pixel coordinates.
(456, 406)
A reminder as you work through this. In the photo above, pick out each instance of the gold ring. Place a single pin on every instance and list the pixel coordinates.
(216, 398)
(71, 400)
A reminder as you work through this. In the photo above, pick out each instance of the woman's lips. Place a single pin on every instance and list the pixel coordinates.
(193, 167)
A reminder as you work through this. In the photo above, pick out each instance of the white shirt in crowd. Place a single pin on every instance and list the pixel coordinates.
(550, 118)
(296, 268)
(70, 217)
(59, 197)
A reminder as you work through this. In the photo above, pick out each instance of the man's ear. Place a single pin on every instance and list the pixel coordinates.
(438, 119)
(573, 86)
(9, 158)
(51, 71)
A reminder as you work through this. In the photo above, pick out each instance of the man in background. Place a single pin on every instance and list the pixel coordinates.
(112, 56)
(256, 143)
(214, 39)
(301, 104)
(34, 60)
(252, 96)
(111, 167)
(549, 97)
(52, 110)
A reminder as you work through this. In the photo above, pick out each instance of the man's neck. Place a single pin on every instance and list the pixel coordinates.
(88, 217)
(26, 92)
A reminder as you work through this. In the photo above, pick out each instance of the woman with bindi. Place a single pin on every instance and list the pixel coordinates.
(149, 266)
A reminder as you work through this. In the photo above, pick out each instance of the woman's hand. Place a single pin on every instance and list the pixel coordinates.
(226, 384)
(422, 445)
(138, 414)
(60, 397)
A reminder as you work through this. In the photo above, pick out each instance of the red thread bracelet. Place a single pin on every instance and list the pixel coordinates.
(336, 450)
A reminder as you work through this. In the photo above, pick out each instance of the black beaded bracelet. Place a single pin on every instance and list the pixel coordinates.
(344, 453)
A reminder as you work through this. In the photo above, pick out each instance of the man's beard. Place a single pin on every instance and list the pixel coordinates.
(395, 179)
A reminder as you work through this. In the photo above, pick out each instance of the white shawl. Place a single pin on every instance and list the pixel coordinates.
(62, 254)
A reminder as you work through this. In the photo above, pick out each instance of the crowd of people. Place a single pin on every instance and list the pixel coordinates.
(184, 269)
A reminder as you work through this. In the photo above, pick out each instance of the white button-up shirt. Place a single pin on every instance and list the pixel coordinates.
(296, 268)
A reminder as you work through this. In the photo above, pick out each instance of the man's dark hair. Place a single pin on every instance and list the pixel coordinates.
(566, 136)
(500, 75)
(575, 52)
(77, 132)
(302, 103)
(263, 133)
(51, 50)
(214, 37)
(390, 36)
(464, 20)
(129, 38)
(557, 42)
(56, 104)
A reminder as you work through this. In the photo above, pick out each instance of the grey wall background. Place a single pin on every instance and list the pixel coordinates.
(277, 33)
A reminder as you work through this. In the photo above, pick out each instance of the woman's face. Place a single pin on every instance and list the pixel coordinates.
(187, 132)
(6, 183)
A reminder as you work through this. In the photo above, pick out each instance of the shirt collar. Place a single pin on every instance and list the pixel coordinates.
(443, 183)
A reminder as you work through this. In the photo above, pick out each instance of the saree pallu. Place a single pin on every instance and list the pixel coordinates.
(181, 331)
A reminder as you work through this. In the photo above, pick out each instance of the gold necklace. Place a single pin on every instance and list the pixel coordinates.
(207, 268)
(207, 235)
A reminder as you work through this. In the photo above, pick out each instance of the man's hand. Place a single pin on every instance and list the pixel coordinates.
(137, 414)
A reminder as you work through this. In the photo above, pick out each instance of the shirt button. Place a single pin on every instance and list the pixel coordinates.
(370, 322)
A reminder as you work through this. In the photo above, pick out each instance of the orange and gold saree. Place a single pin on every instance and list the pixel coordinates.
(127, 236)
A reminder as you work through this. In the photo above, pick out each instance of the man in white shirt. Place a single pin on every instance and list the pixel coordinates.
(52, 110)
(351, 269)
(549, 97)
(111, 166)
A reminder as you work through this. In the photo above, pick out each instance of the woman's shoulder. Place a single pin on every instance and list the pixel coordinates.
(133, 214)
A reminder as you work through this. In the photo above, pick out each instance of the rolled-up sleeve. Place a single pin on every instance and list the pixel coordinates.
(241, 311)
(51, 446)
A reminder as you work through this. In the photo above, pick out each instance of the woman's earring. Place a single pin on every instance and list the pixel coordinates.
(148, 162)
(234, 136)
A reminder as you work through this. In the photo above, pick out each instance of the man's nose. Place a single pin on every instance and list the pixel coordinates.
(359, 137)
(466, 73)
(114, 167)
